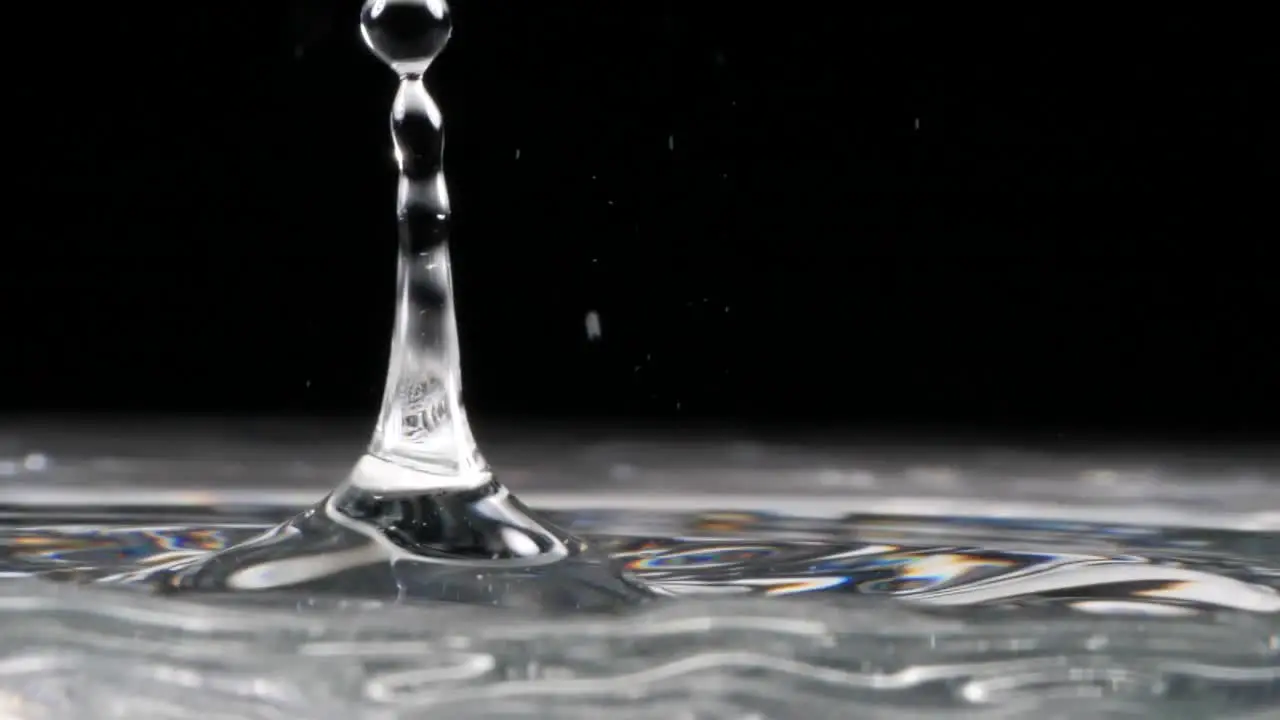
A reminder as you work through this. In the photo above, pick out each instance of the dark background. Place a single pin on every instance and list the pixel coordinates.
(1076, 236)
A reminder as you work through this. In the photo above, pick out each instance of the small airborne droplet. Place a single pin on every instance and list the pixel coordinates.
(593, 325)
(671, 142)
(517, 153)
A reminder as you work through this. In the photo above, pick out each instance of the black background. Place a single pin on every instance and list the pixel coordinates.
(1077, 234)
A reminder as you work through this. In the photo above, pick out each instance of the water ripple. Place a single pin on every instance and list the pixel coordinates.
(69, 651)
(778, 617)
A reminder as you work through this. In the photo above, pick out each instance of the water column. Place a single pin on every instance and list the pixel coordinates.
(421, 426)
(420, 515)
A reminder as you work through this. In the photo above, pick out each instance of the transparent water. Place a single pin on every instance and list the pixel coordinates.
(201, 578)
(752, 580)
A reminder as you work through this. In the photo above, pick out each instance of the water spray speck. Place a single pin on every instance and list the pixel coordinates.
(593, 325)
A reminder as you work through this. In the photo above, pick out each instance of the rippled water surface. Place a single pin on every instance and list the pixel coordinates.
(716, 615)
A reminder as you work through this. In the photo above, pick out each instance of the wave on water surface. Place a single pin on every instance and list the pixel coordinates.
(871, 617)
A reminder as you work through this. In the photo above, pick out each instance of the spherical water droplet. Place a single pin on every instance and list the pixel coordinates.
(406, 34)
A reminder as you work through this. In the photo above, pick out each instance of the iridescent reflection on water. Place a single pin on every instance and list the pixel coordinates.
(777, 617)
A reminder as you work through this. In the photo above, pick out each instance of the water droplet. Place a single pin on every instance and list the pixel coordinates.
(406, 34)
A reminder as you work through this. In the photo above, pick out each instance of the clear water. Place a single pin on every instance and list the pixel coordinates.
(421, 587)
(777, 616)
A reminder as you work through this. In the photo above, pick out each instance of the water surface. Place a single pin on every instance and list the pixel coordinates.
(725, 580)
(735, 615)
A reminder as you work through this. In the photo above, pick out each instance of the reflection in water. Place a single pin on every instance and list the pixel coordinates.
(483, 546)
(944, 576)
